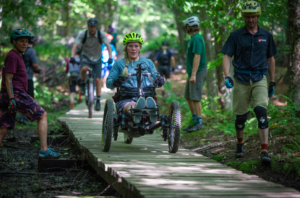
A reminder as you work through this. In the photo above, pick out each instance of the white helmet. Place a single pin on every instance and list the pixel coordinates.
(191, 21)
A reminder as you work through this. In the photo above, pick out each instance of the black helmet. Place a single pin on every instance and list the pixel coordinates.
(78, 51)
(92, 22)
(165, 43)
(32, 40)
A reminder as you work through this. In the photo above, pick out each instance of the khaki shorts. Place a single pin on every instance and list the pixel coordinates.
(242, 95)
(194, 91)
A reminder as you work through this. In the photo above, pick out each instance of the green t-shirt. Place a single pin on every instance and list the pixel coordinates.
(196, 45)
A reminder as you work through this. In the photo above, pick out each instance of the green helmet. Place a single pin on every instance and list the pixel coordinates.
(20, 33)
(132, 37)
(251, 8)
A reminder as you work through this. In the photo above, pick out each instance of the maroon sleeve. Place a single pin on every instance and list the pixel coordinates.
(11, 65)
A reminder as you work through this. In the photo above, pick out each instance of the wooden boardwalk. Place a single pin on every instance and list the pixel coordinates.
(146, 169)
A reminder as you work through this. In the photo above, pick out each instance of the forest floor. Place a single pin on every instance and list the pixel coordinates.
(19, 175)
(220, 146)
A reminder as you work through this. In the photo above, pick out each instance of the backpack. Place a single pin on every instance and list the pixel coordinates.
(74, 70)
(98, 35)
(164, 59)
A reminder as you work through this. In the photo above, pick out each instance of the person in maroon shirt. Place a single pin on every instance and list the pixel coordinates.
(14, 97)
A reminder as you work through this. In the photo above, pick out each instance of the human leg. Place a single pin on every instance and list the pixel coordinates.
(84, 69)
(3, 132)
(191, 107)
(97, 67)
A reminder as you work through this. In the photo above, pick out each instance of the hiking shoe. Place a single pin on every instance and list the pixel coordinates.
(150, 103)
(196, 127)
(239, 150)
(264, 157)
(50, 154)
(98, 106)
(140, 104)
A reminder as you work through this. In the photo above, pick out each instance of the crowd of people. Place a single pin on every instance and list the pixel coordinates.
(253, 49)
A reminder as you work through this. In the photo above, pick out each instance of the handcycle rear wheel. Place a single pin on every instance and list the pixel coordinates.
(127, 139)
(107, 125)
(91, 98)
(175, 125)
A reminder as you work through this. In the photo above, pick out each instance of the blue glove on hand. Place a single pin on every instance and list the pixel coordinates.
(271, 89)
(110, 60)
(160, 81)
(228, 82)
(72, 60)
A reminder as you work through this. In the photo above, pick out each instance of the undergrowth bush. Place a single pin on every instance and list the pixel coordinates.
(52, 51)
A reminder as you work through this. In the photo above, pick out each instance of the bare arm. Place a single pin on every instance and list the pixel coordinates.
(156, 64)
(9, 85)
(74, 49)
(173, 61)
(271, 62)
(35, 66)
(109, 49)
(196, 63)
(226, 65)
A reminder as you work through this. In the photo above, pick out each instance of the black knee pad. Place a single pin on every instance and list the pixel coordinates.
(261, 115)
(240, 122)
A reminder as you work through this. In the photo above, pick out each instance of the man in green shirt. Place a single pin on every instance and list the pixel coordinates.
(196, 70)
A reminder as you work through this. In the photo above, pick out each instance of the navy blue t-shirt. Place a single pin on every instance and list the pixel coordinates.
(250, 53)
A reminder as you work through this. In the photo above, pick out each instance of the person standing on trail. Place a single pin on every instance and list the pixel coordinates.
(163, 61)
(14, 97)
(253, 49)
(197, 70)
(73, 71)
(30, 60)
(91, 41)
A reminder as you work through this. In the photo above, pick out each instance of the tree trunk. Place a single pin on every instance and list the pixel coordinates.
(181, 33)
(67, 9)
(294, 16)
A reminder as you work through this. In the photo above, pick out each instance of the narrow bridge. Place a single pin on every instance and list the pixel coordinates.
(145, 168)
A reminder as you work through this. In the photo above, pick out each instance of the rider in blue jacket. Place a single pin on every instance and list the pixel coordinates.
(133, 44)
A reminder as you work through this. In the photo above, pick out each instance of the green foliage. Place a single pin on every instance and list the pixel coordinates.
(233, 164)
(287, 165)
(37, 144)
(249, 167)
(218, 158)
(52, 51)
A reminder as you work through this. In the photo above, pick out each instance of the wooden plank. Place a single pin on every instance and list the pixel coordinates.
(145, 168)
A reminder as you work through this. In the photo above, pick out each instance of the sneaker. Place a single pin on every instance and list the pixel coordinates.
(140, 104)
(98, 106)
(264, 157)
(50, 154)
(196, 127)
(150, 103)
(162, 93)
(239, 150)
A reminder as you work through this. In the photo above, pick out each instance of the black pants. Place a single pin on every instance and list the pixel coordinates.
(30, 88)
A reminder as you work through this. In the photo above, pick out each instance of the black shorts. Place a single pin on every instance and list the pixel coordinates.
(30, 88)
(72, 84)
(164, 71)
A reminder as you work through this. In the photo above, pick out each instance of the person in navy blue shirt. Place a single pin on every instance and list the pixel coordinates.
(163, 61)
(253, 49)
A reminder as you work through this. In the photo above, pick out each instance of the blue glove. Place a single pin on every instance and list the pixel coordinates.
(72, 60)
(271, 89)
(228, 82)
(110, 60)
(160, 81)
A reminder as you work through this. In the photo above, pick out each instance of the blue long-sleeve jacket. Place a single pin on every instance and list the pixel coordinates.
(119, 66)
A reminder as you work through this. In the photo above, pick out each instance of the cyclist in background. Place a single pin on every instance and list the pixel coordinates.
(73, 71)
(105, 66)
(114, 34)
(163, 61)
(91, 41)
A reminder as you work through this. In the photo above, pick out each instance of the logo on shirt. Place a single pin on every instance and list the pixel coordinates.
(262, 40)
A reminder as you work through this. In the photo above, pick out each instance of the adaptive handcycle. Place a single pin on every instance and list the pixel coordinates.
(114, 122)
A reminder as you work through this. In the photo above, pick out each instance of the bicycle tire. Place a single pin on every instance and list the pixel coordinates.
(127, 139)
(174, 130)
(107, 125)
(91, 98)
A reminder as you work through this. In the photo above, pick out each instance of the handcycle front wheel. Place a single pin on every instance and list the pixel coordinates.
(91, 98)
(175, 125)
(107, 125)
